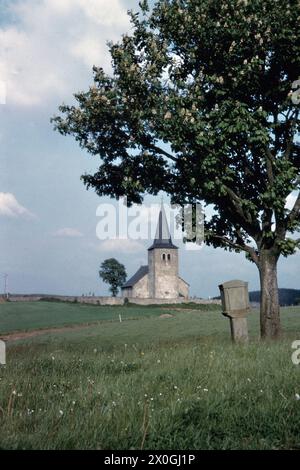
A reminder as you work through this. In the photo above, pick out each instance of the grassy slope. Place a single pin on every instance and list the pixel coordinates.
(173, 383)
(18, 316)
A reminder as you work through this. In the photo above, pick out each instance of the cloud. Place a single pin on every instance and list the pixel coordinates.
(10, 207)
(88, 50)
(68, 232)
(48, 52)
(120, 245)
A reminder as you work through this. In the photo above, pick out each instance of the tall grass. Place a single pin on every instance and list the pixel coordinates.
(179, 384)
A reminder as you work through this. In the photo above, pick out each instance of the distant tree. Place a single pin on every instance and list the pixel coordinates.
(203, 103)
(113, 273)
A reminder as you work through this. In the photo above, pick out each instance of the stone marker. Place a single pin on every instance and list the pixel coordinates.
(2, 353)
(235, 305)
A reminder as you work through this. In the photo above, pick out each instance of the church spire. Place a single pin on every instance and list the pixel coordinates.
(162, 237)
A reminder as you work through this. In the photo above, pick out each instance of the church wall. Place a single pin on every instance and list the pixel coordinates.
(140, 289)
(163, 273)
(127, 292)
(151, 274)
(183, 288)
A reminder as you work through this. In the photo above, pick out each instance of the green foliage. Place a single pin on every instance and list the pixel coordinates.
(289, 246)
(113, 273)
(200, 97)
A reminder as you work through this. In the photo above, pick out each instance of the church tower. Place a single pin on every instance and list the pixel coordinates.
(163, 279)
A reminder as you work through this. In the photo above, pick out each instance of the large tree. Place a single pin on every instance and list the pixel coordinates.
(113, 273)
(199, 105)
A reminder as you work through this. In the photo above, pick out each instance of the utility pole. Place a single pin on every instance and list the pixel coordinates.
(5, 285)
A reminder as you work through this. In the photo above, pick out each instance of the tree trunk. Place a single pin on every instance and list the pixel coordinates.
(269, 300)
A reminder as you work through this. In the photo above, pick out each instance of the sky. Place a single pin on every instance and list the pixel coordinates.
(48, 219)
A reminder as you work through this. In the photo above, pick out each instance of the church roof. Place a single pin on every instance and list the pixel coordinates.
(162, 237)
(141, 272)
(183, 281)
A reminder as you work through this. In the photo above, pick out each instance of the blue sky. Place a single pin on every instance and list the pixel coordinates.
(48, 219)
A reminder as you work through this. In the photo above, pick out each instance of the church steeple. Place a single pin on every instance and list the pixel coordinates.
(162, 237)
(160, 279)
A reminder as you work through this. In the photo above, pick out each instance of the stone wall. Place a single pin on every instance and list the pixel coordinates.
(109, 300)
(177, 300)
(66, 298)
(25, 298)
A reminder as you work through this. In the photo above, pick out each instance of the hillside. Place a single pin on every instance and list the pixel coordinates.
(286, 296)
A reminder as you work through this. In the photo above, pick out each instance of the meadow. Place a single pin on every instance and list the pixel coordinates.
(149, 382)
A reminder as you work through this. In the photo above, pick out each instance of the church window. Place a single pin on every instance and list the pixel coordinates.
(164, 257)
(169, 257)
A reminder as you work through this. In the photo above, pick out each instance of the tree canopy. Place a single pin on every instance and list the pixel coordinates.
(113, 273)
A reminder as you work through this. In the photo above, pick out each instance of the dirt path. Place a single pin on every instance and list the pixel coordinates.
(10, 337)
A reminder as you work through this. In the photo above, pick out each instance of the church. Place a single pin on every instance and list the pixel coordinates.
(160, 278)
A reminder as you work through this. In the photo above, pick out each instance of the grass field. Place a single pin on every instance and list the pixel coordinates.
(18, 316)
(148, 382)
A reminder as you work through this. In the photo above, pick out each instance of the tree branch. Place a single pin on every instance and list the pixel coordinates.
(294, 214)
(269, 163)
(246, 220)
(290, 142)
(162, 152)
(238, 246)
